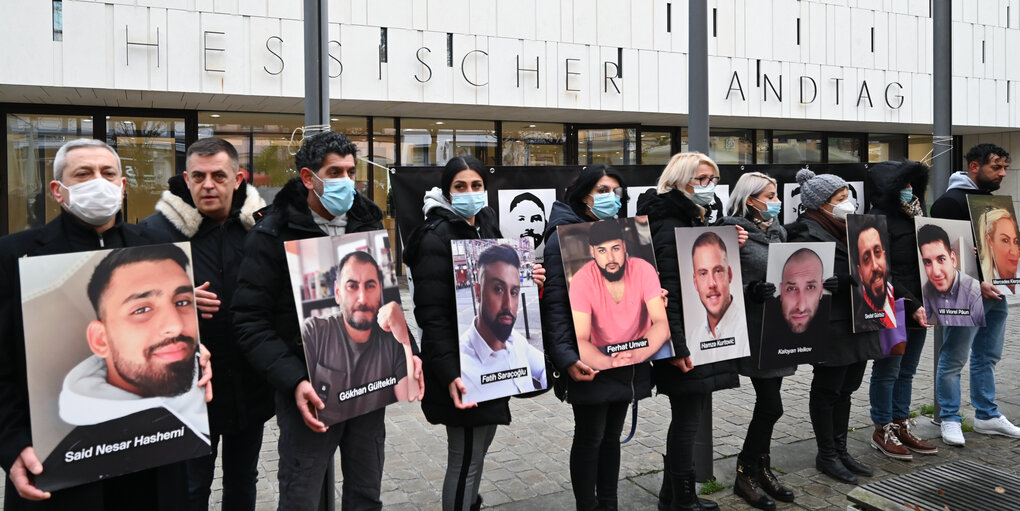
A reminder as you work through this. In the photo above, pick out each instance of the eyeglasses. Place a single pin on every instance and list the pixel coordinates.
(703, 181)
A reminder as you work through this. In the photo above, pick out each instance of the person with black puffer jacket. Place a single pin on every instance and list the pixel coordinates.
(754, 206)
(455, 210)
(599, 399)
(826, 198)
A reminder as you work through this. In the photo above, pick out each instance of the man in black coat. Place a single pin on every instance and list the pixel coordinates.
(320, 202)
(89, 186)
(213, 207)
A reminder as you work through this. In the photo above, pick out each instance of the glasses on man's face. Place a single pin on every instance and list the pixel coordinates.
(705, 180)
(605, 189)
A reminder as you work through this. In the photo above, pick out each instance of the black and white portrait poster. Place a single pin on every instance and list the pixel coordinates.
(872, 299)
(950, 279)
(712, 293)
(525, 214)
(792, 207)
(796, 321)
(355, 337)
(615, 297)
(501, 352)
(113, 382)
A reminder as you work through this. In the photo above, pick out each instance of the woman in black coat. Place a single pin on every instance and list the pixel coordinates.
(754, 206)
(454, 210)
(599, 399)
(682, 198)
(827, 201)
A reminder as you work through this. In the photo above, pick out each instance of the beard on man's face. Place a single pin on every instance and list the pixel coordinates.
(536, 236)
(876, 293)
(170, 380)
(500, 330)
(363, 324)
(613, 276)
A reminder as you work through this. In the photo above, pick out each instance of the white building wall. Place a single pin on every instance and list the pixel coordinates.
(848, 50)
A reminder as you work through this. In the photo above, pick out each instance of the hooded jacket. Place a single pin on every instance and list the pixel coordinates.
(665, 213)
(621, 384)
(428, 254)
(265, 317)
(953, 203)
(885, 181)
(242, 398)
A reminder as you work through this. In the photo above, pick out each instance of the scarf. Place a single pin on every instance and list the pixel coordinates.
(913, 208)
(835, 227)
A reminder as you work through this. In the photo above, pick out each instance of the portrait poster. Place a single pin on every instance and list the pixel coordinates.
(712, 293)
(615, 296)
(499, 326)
(993, 220)
(795, 324)
(872, 300)
(357, 346)
(113, 377)
(792, 208)
(950, 279)
(525, 214)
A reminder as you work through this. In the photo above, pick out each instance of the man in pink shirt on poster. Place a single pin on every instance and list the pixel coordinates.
(618, 310)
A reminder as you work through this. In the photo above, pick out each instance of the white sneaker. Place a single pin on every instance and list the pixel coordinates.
(952, 433)
(996, 426)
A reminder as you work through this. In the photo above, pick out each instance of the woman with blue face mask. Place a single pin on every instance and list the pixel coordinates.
(754, 205)
(454, 210)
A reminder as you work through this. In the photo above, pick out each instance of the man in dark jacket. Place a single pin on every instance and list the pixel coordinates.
(986, 168)
(320, 202)
(89, 186)
(212, 207)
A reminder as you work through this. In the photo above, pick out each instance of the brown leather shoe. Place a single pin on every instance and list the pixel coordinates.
(910, 440)
(884, 439)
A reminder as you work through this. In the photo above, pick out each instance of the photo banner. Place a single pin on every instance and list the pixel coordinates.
(499, 326)
(872, 300)
(950, 278)
(113, 382)
(995, 231)
(355, 338)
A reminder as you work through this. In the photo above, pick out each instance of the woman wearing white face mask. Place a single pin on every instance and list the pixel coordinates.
(826, 198)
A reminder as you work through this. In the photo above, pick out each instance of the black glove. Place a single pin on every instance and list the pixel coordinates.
(760, 291)
(831, 284)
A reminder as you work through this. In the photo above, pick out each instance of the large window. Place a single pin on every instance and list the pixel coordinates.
(612, 146)
(434, 142)
(32, 142)
(656, 147)
(886, 147)
(151, 150)
(844, 149)
(730, 146)
(529, 143)
(796, 147)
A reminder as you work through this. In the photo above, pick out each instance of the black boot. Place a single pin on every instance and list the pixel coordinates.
(770, 483)
(827, 461)
(478, 504)
(746, 487)
(685, 494)
(666, 491)
(848, 461)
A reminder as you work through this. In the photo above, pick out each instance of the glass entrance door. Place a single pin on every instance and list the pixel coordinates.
(151, 150)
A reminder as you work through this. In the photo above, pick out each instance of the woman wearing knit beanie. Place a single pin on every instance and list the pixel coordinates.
(826, 198)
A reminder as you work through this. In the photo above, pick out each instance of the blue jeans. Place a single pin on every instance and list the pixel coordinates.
(892, 379)
(984, 345)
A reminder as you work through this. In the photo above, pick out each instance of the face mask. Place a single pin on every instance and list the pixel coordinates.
(95, 201)
(841, 210)
(704, 195)
(906, 195)
(605, 205)
(468, 204)
(337, 194)
(771, 210)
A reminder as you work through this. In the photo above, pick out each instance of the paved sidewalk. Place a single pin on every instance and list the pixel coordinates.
(526, 468)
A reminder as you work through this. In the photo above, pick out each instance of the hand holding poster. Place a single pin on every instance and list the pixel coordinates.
(795, 324)
(355, 338)
(113, 384)
(949, 274)
(712, 293)
(995, 232)
(615, 296)
(501, 351)
(874, 306)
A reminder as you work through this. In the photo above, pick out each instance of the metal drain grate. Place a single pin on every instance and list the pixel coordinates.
(957, 486)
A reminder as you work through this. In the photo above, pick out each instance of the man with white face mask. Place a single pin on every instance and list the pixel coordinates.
(88, 185)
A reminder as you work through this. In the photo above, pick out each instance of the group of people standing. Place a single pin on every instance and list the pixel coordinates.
(249, 323)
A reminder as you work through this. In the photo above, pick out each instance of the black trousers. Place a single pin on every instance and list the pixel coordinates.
(768, 408)
(240, 471)
(683, 428)
(595, 453)
(829, 403)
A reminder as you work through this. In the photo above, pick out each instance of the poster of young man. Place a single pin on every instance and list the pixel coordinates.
(712, 293)
(525, 213)
(501, 351)
(795, 323)
(995, 232)
(618, 310)
(113, 382)
(355, 338)
(950, 282)
(874, 306)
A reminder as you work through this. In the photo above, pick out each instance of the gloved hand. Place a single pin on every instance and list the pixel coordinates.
(831, 284)
(759, 291)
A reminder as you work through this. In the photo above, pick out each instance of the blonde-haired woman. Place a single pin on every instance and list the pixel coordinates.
(998, 235)
(682, 199)
(755, 206)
